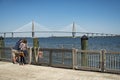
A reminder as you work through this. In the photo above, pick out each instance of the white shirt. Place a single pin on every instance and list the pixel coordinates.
(23, 46)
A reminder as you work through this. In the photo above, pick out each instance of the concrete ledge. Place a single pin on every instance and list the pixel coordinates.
(9, 71)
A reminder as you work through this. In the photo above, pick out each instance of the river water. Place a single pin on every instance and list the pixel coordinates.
(95, 43)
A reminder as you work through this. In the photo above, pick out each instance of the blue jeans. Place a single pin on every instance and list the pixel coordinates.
(22, 60)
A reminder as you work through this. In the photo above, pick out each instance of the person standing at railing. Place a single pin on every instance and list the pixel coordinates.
(15, 51)
(24, 52)
(40, 56)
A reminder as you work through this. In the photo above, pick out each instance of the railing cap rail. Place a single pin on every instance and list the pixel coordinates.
(65, 49)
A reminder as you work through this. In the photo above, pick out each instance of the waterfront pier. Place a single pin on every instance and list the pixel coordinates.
(9, 71)
(69, 64)
(101, 61)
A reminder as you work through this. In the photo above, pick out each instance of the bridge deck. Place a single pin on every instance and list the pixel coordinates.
(9, 71)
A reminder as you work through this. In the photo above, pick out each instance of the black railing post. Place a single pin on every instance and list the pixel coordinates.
(0, 53)
(2, 42)
(63, 57)
(50, 58)
(2, 45)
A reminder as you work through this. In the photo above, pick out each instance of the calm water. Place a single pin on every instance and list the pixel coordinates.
(98, 43)
(108, 43)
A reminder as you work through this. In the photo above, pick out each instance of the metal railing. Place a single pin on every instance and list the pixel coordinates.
(53, 57)
(88, 60)
(99, 61)
(102, 61)
(112, 62)
(5, 53)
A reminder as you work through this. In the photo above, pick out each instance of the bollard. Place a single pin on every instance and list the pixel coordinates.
(35, 50)
(84, 46)
(2, 45)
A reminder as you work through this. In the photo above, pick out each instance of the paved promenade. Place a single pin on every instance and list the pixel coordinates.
(9, 71)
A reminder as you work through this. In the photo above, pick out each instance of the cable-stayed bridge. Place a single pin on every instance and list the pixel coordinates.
(34, 29)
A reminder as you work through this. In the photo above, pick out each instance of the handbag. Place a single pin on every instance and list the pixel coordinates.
(21, 54)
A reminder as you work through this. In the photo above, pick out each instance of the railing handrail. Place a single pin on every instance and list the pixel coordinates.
(91, 51)
(66, 49)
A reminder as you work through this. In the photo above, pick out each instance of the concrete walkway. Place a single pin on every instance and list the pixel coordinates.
(9, 71)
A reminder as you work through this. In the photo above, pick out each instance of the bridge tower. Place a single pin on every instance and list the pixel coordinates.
(33, 34)
(73, 30)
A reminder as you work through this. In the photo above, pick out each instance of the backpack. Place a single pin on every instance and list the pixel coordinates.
(16, 47)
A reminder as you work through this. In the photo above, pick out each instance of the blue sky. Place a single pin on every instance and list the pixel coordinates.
(93, 15)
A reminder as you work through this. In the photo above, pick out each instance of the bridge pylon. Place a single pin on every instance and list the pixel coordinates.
(33, 33)
(73, 30)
